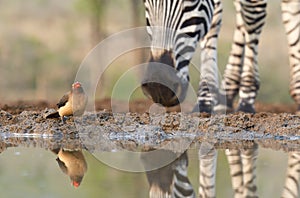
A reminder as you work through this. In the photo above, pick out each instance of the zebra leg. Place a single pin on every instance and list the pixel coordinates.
(232, 74)
(249, 157)
(291, 21)
(207, 170)
(181, 186)
(236, 171)
(242, 166)
(208, 85)
(291, 188)
(253, 13)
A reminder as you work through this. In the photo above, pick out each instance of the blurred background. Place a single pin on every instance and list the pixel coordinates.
(42, 44)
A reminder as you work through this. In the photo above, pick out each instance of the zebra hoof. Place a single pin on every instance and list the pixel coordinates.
(246, 107)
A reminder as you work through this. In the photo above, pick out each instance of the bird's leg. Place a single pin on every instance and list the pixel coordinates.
(63, 119)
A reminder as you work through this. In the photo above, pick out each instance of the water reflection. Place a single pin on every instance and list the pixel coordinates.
(171, 180)
(207, 170)
(291, 187)
(72, 163)
(174, 179)
(242, 163)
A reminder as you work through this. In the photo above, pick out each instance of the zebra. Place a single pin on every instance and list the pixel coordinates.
(241, 73)
(242, 165)
(241, 76)
(242, 170)
(175, 28)
(204, 17)
(172, 180)
(195, 20)
(192, 21)
(243, 177)
(292, 185)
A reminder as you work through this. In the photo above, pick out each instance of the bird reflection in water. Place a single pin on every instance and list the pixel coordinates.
(72, 163)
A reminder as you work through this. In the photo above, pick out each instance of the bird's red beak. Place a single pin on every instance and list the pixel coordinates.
(75, 184)
(77, 85)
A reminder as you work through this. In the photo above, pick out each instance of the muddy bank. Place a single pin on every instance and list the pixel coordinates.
(279, 124)
(106, 131)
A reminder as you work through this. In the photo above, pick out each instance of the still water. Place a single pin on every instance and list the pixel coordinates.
(40, 167)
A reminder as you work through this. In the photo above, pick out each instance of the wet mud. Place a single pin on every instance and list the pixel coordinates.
(274, 126)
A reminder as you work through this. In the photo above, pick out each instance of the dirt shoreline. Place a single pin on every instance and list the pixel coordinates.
(105, 130)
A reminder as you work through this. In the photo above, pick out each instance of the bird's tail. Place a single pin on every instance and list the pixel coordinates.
(53, 115)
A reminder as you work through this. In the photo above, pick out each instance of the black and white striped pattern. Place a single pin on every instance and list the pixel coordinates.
(181, 186)
(207, 170)
(208, 85)
(291, 21)
(241, 73)
(241, 76)
(242, 165)
(175, 28)
(171, 180)
(292, 181)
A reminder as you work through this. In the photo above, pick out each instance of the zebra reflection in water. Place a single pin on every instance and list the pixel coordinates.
(172, 180)
(193, 21)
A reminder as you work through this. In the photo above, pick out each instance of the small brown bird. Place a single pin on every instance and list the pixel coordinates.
(72, 103)
(72, 163)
